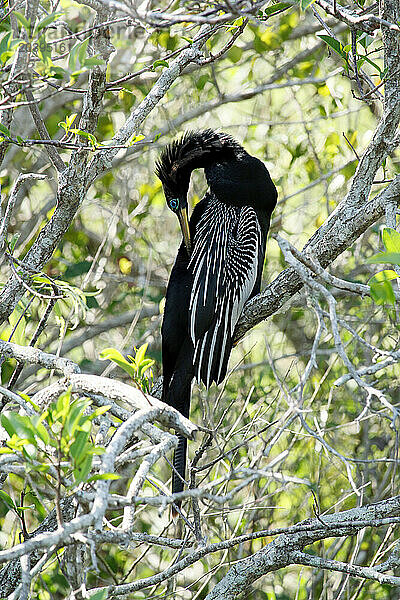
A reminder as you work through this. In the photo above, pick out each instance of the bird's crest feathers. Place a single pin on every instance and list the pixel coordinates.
(193, 150)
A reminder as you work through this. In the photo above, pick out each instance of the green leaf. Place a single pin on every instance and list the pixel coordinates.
(381, 288)
(365, 40)
(5, 42)
(75, 414)
(145, 365)
(391, 240)
(235, 54)
(81, 471)
(271, 10)
(160, 63)
(73, 55)
(140, 353)
(79, 445)
(382, 293)
(200, 83)
(19, 425)
(82, 51)
(4, 130)
(386, 275)
(377, 67)
(5, 450)
(104, 477)
(115, 356)
(56, 72)
(86, 135)
(26, 23)
(47, 20)
(92, 61)
(99, 411)
(62, 406)
(334, 44)
(29, 399)
(392, 258)
(41, 431)
(8, 501)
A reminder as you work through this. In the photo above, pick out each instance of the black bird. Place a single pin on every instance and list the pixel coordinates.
(218, 266)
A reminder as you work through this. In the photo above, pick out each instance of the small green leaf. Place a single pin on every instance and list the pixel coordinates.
(79, 445)
(391, 240)
(62, 406)
(81, 471)
(386, 275)
(8, 501)
(104, 477)
(160, 63)
(26, 23)
(99, 411)
(140, 353)
(56, 72)
(44, 51)
(75, 413)
(381, 288)
(334, 44)
(271, 10)
(85, 134)
(79, 268)
(47, 20)
(82, 51)
(376, 66)
(5, 43)
(18, 424)
(4, 130)
(392, 258)
(235, 54)
(42, 433)
(382, 293)
(145, 364)
(73, 55)
(92, 61)
(115, 356)
(5, 450)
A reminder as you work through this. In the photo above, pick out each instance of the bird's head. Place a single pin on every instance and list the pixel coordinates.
(175, 179)
(195, 149)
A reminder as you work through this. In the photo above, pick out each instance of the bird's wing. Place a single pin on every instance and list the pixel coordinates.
(224, 264)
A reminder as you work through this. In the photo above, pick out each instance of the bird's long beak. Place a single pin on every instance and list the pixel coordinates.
(183, 220)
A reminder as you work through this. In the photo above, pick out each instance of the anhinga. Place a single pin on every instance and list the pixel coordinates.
(219, 263)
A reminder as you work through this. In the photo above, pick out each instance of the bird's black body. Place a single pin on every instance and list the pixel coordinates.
(218, 269)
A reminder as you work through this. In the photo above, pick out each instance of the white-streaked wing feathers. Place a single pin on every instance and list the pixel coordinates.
(224, 263)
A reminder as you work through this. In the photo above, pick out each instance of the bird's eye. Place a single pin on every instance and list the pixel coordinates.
(174, 203)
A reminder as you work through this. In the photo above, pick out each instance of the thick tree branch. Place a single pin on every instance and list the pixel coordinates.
(284, 550)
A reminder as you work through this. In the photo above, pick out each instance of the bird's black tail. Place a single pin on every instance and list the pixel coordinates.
(178, 395)
(178, 474)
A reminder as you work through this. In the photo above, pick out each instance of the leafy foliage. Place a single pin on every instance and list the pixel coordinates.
(136, 366)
